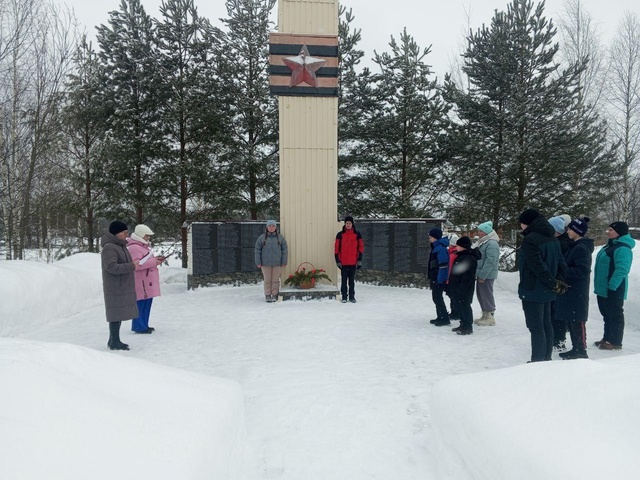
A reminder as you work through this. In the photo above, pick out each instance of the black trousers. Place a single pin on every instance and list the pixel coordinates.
(613, 315)
(437, 295)
(538, 319)
(348, 274)
(559, 326)
(462, 306)
(578, 332)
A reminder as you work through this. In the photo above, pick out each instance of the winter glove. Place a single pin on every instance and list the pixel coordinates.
(339, 265)
(359, 265)
(560, 288)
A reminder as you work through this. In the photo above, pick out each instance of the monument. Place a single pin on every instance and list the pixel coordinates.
(304, 75)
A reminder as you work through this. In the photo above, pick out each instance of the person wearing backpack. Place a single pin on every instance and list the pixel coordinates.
(271, 256)
(610, 282)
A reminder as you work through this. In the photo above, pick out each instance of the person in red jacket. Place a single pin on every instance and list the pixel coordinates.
(348, 251)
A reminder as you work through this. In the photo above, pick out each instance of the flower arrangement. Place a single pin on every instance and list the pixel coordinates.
(306, 278)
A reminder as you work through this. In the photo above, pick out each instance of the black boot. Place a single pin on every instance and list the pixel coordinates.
(574, 354)
(114, 342)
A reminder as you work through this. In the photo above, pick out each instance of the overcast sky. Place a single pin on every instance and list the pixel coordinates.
(440, 23)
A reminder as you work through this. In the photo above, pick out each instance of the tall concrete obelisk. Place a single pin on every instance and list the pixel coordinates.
(304, 73)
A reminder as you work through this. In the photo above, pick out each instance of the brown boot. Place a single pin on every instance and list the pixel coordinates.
(609, 346)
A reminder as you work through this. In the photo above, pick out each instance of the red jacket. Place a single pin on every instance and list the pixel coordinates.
(349, 247)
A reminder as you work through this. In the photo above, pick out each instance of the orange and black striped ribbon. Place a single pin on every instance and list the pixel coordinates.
(283, 45)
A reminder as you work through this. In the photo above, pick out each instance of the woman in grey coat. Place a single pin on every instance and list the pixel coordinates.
(118, 282)
(271, 254)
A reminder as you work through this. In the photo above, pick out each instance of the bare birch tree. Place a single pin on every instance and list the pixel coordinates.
(580, 40)
(35, 45)
(623, 103)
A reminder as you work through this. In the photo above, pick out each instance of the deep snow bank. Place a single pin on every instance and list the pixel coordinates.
(552, 420)
(72, 412)
(34, 294)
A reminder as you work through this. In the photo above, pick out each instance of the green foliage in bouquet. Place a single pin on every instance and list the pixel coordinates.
(303, 278)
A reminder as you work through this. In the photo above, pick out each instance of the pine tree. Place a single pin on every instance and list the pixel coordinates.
(526, 138)
(394, 150)
(129, 56)
(251, 155)
(84, 127)
(190, 106)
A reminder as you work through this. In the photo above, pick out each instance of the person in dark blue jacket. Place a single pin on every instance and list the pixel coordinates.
(462, 282)
(572, 307)
(542, 268)
(438, 274)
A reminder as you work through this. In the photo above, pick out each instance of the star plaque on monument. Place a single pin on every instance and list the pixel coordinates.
(303, 65)
(303, 68)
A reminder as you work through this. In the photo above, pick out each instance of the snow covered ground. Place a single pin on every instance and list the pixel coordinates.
(329, 390)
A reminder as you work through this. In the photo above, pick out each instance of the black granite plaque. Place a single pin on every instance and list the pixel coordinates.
(381, 235)
(422, 233)
(249, 233)
(205, 262)
(228, 235)
(228, 260)
(248, 259)
(402, 259)
(404, 234)
(381, 258)
(422, 260)
(201, 236)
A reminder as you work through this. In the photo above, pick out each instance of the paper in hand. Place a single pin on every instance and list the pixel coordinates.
(145, 258)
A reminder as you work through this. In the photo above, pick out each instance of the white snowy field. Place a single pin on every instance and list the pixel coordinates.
(231, 387)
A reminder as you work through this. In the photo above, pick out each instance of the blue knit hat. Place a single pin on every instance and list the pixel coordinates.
(558, 224)
(580, 225)
(271, 222)
(486, 227)
(435, 233)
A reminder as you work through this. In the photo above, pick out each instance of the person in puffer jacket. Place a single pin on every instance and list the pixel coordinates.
(542, 276)
(147, 276)
(438, 274)
(348, 249)
(271, 256)
(489, 248)
(611, 282)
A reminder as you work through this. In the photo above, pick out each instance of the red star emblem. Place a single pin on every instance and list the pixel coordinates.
(303, 68)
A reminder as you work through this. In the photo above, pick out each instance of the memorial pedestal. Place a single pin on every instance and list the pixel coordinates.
(318, 292)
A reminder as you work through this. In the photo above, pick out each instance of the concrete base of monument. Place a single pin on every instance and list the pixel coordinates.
(318, 292)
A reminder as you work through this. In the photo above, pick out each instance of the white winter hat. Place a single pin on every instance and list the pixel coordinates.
(142, 230)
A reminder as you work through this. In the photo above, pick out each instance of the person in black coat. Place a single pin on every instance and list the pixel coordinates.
(462, 282)
(541, 266)
(573, 305)
(560, 225)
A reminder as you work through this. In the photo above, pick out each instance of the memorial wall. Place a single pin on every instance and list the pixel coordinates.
(396, 251)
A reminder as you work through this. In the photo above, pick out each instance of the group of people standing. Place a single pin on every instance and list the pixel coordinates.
(459, 270)
(130, 279)
(554, 263)
(271, 256)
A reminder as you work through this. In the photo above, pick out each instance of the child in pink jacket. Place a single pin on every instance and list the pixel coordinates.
(146, 274)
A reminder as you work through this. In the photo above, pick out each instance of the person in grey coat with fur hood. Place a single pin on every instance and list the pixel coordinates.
(118, 282)
(271, 256)
(487, 272)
